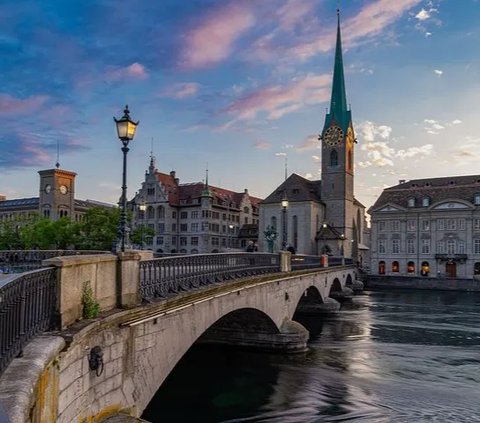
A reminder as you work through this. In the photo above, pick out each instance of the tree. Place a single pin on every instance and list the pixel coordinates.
(98, 230)
(141, 234)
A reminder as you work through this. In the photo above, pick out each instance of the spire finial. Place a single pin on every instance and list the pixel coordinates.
(286, 168)
(57, 165)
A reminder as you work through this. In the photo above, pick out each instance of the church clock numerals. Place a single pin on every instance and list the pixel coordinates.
(333, 136)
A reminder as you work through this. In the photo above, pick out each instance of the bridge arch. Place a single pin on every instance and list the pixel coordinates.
(349, 280)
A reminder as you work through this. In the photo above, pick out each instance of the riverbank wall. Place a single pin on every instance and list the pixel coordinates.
(409, 282)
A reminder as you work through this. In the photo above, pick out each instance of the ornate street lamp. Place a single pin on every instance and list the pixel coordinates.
(126, 131)
(285, 225)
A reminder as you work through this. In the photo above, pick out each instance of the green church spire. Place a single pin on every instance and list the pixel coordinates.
(338, 101)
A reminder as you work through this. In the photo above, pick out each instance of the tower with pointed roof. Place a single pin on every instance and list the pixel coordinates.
(338, 142)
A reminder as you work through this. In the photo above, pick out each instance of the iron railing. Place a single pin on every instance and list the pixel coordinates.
(17, 261)
(164, 276)
(301, 262)
(27, 308)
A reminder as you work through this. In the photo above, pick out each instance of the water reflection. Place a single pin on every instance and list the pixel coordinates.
(387, 357)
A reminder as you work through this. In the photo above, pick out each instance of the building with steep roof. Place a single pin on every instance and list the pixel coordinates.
(323, 217)
(56, 199)
(193, 217)
(428, 227)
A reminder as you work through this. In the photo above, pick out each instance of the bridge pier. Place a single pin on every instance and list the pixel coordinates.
(329, 306)
(346, 294)
(292, 337)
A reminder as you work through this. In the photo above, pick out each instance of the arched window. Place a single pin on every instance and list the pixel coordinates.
(411, 267)
(381, 268)
(411, 202)
(476, 268)
(333, 158)
(194, 251)
(150, 212)
(425, 268)
(425, 201)
(161, 212)
(273, 222)
(395, 267)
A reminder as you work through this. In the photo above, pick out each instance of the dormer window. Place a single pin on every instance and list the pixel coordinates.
(411, 202)
(476, 199)
(425, 201)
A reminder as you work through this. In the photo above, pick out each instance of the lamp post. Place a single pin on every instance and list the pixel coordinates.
(142, 208)
(284, 214)
(126, 131)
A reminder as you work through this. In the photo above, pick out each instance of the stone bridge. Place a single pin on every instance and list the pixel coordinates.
(54, 382)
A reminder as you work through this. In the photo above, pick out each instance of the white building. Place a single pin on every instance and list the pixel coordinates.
(427, 227)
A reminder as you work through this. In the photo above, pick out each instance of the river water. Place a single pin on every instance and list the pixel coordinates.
(402, 356)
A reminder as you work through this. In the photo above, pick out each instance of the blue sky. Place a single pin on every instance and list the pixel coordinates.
(240, 85)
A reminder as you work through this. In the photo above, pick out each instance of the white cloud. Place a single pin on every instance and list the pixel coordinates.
(456, 122)
(423, 15)
(280, 154)
(309, 143)
(378, 152)
(262, 144)
(438, 72)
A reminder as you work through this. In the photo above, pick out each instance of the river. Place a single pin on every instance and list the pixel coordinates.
(401, 356)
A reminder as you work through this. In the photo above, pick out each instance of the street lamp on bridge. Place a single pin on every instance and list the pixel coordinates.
(285, 223)
(126, 128)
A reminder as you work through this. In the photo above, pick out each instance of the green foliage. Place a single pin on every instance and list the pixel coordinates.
(141, 234)
(90, 307)
(97, 231)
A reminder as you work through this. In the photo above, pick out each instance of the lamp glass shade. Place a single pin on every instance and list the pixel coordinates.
(142, 207)
(284, 204)
(125, 129)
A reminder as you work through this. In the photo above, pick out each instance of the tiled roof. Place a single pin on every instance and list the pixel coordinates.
(194, 190)
(297, 189)
(436, 189)
(328, 232)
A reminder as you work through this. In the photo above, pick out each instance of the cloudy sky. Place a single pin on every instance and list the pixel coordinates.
(239, 85)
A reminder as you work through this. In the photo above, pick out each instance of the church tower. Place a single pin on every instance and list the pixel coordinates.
(338, 141)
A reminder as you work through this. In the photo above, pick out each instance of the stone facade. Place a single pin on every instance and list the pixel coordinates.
(56, 199)
(428, 227)
(193, 217)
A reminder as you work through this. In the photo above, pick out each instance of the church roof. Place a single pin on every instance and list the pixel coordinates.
(296, 188)
(435, 189)
(328, 232)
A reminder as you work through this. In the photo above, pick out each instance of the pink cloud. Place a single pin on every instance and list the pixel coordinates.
(212, 41)
(181, 90)
(368, 23)
(262, 144)
(277, 100)
(11, 106)
(133, 71)
(294, 12)
(374, 17)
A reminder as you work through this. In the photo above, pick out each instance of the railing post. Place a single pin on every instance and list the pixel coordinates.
(285, 261)
(128, 277)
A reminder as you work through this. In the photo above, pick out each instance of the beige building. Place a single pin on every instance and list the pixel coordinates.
(428, 227)
(323, 217)
(193, 217)
(56, 199)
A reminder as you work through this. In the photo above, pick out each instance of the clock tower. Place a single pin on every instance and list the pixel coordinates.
(338, 141)
(57, 193)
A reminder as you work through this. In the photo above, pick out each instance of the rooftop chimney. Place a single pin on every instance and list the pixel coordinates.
(401, 181)
(172, 174)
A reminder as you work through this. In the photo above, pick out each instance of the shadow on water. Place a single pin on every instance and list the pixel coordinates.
(399, 356)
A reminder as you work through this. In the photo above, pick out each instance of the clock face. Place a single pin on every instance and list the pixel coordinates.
(333, 136)
(48, 188)
(63, 189)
